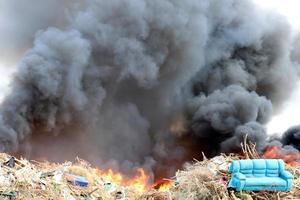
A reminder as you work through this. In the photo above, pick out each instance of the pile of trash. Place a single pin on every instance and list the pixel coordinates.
(21, 179)
(207, 179)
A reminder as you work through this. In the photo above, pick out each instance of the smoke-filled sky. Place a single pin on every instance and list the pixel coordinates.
(288, 116)
(279, 123)
(146, 83)
(288, 8)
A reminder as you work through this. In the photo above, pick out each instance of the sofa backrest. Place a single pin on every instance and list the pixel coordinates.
(257, 167)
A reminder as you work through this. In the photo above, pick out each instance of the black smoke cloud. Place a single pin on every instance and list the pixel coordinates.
(232, 112)
(108, 84)
(289, 142)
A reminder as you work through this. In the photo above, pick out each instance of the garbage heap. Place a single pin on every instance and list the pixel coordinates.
(207, 179)
(23, 179)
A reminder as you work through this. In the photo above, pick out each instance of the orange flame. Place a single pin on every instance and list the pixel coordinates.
(140, 182)
(275, 152)
(163, 185)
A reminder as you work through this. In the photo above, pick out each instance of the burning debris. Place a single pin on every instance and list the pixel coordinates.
(142, 86)
(213, 70)
(42, 180)
(207, 179)
(292, 158)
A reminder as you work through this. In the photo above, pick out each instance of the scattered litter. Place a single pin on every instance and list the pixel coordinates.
(223, 181)
(10, 195)
(76, 180)
(10, 163)
(109, 187)
(4, 181)
(120, 195)
(58, 177)
(223, 166)
(219, 160)
(47, 174)
(207, 179)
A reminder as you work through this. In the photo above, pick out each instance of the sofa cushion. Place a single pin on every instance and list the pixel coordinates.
(272, 168)
(272, 181)
(234, 166)
(259, 168)
(246, 168)
(246, 165)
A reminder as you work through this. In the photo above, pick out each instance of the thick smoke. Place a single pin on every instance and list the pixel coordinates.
(20, 20)
(112, 82)
(232, 112)
(292, 137)
(289, 141)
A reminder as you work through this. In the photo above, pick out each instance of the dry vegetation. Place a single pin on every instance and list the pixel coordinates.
(201, 180)
(207, 180)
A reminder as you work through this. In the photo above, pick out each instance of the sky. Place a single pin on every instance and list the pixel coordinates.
(288, 116)
(279, 123)
(288, 8)
(6, 72)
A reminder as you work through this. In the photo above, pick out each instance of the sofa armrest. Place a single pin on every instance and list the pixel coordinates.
(286, 175)
(239, 176)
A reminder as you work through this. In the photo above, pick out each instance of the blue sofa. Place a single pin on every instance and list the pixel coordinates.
(259, 174)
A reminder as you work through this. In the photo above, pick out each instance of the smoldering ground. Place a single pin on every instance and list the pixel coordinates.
(109, 83)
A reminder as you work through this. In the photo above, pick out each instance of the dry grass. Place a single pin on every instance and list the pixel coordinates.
(200, 180)
(29, 181)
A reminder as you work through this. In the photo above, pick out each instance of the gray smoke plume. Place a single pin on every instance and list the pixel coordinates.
(144, 82)
(234, 113)
(291, 137)
(20, 20)
(289, 141)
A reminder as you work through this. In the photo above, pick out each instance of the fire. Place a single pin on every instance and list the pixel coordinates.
(139, 182)
(275, 152)
(163, 185)
(111, 176)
